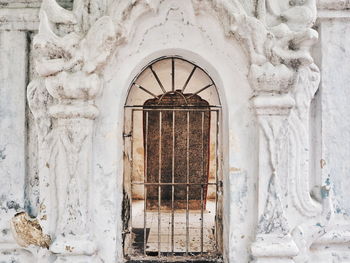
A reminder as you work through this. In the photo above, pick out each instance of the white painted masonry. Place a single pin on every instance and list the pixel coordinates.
(281, 69)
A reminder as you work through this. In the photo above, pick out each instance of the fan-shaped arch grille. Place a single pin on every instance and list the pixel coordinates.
(172, 76)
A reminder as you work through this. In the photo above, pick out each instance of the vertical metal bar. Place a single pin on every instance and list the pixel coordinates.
(172, 187)
(132, 165)
(173, 75)
(159, 178)
(145, 190)
(188, 79)
(157, 78)
(187, 181)
(202, 224)
(217, 178)
(203, 176)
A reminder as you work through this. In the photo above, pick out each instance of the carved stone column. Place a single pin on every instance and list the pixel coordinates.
(273, 240)
(62, 101)
(13, 74)
(287, 53)
(70, 161)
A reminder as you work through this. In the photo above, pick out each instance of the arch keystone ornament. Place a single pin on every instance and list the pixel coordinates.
(71, 51)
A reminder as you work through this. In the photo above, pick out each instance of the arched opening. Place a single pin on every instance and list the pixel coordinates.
(172, 185)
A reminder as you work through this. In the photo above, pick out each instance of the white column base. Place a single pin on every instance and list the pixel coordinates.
(273, 248)
(76, 249)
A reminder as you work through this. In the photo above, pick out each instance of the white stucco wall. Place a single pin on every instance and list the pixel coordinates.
(175, 29)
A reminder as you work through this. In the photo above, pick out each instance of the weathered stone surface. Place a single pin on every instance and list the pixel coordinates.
(28, 231)
(285, 146)
(13, 57)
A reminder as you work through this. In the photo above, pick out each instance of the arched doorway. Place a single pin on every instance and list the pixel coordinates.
(172, 185)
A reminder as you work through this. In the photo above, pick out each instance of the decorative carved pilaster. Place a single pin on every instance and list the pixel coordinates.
(273, 240)
(278, 87)
(62, 102)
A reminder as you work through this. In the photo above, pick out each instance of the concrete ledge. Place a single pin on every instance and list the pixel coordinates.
(23, 14)
(31, 3)
(333, 4)
(26, 19)
(325, 14)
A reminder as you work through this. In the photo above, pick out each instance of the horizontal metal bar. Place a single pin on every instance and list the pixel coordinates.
(178, 110)
(206, 257)
(178, 107)
(156, 184)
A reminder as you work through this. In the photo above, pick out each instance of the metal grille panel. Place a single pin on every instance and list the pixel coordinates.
(171, 201)
(173, 193)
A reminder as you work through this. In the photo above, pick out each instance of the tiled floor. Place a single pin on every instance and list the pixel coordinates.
(180, 240)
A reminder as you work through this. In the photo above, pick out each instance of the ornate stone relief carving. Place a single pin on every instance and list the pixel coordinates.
(283, 74)
(62, 101)
(72, 48)
(306, 87)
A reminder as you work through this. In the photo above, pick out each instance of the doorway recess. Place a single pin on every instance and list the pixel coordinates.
(172, 182)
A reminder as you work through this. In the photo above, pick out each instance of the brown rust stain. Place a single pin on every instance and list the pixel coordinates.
(42, 207)
(139, 150)
(69, 248)
(234, 169)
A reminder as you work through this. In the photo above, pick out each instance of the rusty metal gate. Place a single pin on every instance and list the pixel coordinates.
(173, 191)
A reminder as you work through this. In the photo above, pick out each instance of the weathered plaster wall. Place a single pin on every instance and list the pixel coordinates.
(175, 30)
(332, 154)
(13, 81)
(335, 53)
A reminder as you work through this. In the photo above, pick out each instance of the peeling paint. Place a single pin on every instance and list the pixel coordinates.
(27, 231)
